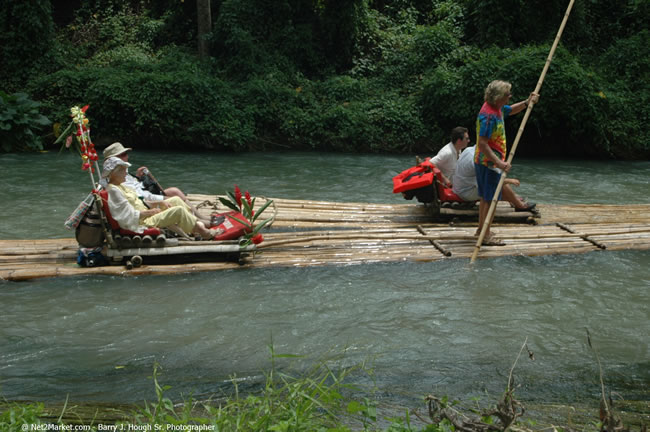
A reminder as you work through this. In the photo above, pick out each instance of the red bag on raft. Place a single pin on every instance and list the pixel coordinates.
(232, 229)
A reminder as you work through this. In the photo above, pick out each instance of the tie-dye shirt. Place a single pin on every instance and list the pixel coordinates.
(489, 124)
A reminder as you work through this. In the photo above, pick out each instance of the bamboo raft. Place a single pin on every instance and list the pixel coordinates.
(316, 233)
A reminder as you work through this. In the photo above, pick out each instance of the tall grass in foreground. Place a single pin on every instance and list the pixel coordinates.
(314, 401)
(318, 399)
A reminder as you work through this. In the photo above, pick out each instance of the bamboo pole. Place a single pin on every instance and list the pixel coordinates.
(529, 109)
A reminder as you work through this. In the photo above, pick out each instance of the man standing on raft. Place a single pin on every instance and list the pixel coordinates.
(490, 157)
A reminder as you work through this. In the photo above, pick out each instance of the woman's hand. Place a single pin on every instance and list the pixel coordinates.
(148, 213)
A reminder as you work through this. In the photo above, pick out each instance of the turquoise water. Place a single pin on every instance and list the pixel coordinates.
(442, 327)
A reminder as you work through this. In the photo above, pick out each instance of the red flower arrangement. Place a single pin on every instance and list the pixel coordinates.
(85, 146)
(246, 206)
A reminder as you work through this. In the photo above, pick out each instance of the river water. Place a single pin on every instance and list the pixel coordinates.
(442, 327)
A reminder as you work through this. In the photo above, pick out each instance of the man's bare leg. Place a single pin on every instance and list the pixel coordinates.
(483, 209)
(509, 195)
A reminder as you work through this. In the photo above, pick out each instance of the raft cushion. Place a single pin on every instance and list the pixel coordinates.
(116, 226)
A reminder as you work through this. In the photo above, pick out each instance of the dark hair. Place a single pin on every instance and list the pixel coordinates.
(458, 133)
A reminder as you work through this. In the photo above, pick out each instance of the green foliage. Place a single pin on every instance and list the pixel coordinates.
(342, 21)
(109, 35)
(162, 411)
(381, 76)
(26, 35)
(512, 23)
(255, 38)
(628, 60)
(16, 416)
(579, 114)
(348, 114)
(159, 104)
(20, 123)
(311, 401)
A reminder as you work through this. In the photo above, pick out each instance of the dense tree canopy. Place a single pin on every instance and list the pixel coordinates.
(344, 75)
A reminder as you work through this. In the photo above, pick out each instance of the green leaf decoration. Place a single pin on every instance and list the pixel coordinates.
(228, 204)
(258, 227)
(259, 212)
(248, 224)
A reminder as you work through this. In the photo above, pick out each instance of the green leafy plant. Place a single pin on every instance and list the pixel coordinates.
(163, 411)
(245, 205)
(20, 121)
(17, 415)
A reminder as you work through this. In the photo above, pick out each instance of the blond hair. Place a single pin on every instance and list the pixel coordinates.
(496, 90)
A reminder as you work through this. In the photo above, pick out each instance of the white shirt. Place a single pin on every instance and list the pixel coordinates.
(121, 209)
(446, 160)
(137, 186)
(464, 184)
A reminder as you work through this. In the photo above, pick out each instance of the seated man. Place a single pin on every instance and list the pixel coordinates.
(447, 157)
(465, 185)
(118, 150)
(132, 214)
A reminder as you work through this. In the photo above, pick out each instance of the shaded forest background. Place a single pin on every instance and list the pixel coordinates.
(327, 75)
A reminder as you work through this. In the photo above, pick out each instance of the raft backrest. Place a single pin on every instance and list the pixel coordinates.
(422, 175)
(415, 177)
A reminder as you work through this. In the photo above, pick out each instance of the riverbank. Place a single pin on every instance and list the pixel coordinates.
(324, 398)
(354, 415)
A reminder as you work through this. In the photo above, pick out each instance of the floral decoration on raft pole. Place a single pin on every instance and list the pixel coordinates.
(245, 205)
(79, 128)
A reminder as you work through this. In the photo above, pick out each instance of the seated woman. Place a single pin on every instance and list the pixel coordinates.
(132, 214)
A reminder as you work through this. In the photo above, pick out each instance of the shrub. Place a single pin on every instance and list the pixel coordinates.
(26, 36)
(20, 122)
(348, 114)
(170, 102)
(579, 114)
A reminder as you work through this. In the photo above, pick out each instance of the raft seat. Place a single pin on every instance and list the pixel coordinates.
(116, 226)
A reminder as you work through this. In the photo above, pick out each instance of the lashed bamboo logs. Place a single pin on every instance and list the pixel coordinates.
(358, 233)
(582, 236)
(435, 243)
